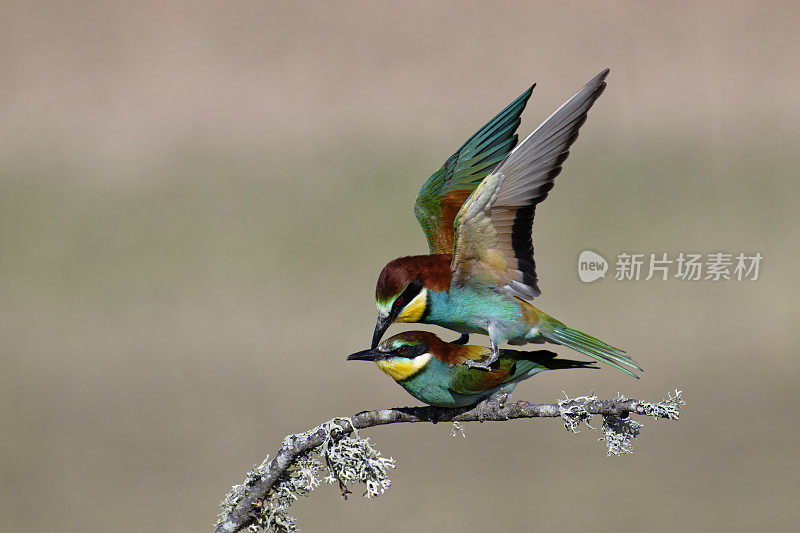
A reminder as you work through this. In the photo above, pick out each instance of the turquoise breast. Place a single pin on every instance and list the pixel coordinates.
(470, 309)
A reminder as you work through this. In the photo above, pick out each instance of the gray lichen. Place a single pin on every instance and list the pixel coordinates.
(618, 433)
(346, 458)
(351, 459)
(573, 411)
(669, 408)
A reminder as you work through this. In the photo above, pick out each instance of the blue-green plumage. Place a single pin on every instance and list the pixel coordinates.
(433, 372)
(471, 309)
(437, 383)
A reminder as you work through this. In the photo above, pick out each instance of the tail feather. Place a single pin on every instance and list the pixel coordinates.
(559, 333)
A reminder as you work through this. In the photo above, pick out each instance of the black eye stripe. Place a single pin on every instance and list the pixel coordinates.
(413, 289)
(414, 351)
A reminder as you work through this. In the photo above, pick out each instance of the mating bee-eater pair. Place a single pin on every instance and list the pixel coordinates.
(477, 214)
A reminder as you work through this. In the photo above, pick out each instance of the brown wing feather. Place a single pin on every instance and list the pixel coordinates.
(494, 243)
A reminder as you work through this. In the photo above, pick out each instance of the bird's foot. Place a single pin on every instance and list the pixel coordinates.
(463, 339)
(485, 365)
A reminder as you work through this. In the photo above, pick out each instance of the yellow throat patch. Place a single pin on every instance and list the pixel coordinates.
(399, 369)
(414, 310)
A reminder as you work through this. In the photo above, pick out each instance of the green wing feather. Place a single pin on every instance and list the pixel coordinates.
(464, 380)
(511, 365)
(448, 188)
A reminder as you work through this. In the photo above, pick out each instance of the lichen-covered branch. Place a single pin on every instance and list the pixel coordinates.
(262, 501)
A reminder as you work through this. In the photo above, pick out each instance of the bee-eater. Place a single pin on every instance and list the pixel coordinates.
(432, 370)
(477, 214)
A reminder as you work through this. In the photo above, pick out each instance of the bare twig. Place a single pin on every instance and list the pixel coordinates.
(251, 502)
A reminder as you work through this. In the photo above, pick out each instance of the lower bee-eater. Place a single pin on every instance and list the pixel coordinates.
(432, 370)
(477, 215)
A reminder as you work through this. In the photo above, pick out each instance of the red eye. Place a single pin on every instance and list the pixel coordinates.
(399, 301)
(404, 350)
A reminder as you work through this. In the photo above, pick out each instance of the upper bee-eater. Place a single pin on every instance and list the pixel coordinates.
(477, 214)
(432, 370)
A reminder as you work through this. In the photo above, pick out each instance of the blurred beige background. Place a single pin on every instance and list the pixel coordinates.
(196, 199)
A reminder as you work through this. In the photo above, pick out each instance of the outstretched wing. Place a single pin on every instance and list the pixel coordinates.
(493, 228)
(448, 188)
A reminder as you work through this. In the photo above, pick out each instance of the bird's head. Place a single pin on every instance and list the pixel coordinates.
(402, 355)
(401, 294)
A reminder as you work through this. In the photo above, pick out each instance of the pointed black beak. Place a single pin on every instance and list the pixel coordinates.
(380, 328)
(365, 355)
